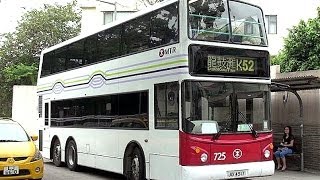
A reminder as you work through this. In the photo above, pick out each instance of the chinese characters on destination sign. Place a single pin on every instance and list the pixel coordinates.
(230, 64)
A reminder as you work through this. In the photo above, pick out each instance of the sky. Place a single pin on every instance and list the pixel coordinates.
(12, 10)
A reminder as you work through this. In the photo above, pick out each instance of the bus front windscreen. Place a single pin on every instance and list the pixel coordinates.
(212, 20)
(225, 107)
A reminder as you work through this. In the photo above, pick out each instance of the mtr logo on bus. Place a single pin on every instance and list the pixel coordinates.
(167, 51)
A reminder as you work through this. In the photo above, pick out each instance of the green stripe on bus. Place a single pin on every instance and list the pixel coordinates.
(100, 72)
(148, 67)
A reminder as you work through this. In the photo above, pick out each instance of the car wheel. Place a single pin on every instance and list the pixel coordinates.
(57, 153)
(135, 166)
(71, 156)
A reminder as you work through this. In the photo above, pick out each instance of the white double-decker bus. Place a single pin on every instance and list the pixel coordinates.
(178, 91)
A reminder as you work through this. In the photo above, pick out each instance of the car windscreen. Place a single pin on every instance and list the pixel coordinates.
(12, 133)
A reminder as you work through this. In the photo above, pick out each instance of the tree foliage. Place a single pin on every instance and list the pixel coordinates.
(301, 48)
(150, 2)
(20, 50)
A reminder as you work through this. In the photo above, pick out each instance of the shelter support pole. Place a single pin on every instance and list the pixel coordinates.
(301, 127)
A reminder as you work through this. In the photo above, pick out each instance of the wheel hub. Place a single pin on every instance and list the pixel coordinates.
(135, 166)
(57, 152)
(71, 154)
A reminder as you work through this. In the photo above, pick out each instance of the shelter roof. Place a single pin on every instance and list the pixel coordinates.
(296, 83)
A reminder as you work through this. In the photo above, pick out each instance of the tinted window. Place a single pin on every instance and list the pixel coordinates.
(157, 28)
(59, 60)
(125, 110)
(40, 106)
(164, 26)
(47, 64)
(208, 20)
(75, 55)
(90, 49)
(128, 104)
(109, 43)
(167, 106)
(46, 114)
(136, 35)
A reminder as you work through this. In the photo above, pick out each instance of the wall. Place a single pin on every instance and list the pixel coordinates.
(91, 20)
(25, 108)
(93, 12)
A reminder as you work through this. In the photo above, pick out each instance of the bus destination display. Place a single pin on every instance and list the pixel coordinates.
(230, 64)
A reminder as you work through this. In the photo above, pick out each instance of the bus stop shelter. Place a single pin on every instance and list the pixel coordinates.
(294, 84)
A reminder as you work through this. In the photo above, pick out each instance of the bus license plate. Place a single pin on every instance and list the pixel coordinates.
(10, 170)
(237, 173)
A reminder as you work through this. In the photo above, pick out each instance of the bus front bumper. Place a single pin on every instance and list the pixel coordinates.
(228, 171)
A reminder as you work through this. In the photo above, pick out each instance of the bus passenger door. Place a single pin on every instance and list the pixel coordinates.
(46, 129)
(164, 147)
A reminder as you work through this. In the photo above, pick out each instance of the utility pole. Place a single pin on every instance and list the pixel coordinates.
(115, 7)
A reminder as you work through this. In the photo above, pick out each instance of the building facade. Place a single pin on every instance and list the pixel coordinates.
(280, 16)
(96, 13)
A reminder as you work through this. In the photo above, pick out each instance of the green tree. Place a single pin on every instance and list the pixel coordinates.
(301, 48)
(20, 50)
(150, 2)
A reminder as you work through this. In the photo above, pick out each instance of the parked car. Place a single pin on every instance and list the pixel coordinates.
(19, 156)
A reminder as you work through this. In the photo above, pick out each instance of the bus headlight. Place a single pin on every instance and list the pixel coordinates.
(37, 156)
(204, 157)
(267, 153)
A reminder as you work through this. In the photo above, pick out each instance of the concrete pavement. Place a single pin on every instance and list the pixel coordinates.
(55, 173)
(291, 175)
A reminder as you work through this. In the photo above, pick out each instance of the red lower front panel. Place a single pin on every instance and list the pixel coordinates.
(198, 150)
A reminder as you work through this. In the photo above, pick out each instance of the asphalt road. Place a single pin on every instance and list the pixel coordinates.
(63, 173)
(52, 172)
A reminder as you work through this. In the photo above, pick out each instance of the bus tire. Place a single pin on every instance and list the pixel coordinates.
(56, 154)
(71, 155)
(135, 166)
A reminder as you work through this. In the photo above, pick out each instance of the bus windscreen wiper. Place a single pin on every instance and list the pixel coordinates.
(216, 136)
(253, 132)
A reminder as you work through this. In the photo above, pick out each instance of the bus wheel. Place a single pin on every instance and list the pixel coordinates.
(136, 167)
(57, 153)
(71, 156)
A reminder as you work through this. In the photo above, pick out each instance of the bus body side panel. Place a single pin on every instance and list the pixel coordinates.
(158, 145)
(85, 143)
(164, 159)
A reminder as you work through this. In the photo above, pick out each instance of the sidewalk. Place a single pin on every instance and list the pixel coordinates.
(291, 175)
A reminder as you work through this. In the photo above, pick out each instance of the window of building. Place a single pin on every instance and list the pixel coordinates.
(271, 24)
(107, 17)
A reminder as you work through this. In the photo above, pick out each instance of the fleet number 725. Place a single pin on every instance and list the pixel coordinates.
(220, 156)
